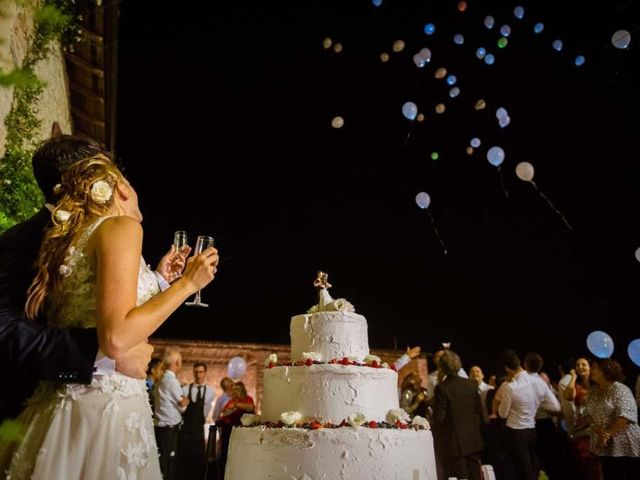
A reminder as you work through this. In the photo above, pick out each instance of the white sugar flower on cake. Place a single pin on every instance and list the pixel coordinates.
(356, 419)
(339, 305)
(314, 356)
(419, 421)
(290, 418)
(249, 419)
(272, 358)
(397, 414)
(369, 359)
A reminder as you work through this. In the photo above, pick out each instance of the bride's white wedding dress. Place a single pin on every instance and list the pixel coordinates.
(99, 431)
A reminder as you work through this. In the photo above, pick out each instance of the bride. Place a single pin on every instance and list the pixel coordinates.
(91, 274)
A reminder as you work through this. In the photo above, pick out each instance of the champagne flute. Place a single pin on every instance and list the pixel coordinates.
(180, 240)
(202, 244)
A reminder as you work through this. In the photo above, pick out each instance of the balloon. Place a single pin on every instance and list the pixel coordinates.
(469, 150)
(480, 104)
(458, 39)
(376, 3)
(435, 155)
(524, 171)
(557, 45)
(236, 368)
(337, 122)
(489, 59)
(634, 351)
(600, 344)
(579, 61)
(429, 28)
(489, 21)
(440, 73)
(638, 254)
(410, 110)
(495, 156)
(621, 39)
(337, 47)
(501, 113)
(454, 92)
(451, 80)
(505, 30)
(504, 121)
(384, 57)
(419, 61)
(538, 27)
(398, 46)
(475, 142)
(462, 6)
(420, 117)
(423, 200)
(481, 52)
(326, 43)
(425, 54)
(503, 42)
(518, 12)
(440, 108)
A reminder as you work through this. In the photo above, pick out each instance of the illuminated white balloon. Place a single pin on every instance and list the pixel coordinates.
(538, 27)
(525, 171)
(504, 121)
(410, 110)
(557, 45)
(475, 142)
(495, 156)
(518, 12)
(337, 122)
(621, 39)
(423, 200)
(638, 254)
(425, 54)
(419, 61)
(489, 21)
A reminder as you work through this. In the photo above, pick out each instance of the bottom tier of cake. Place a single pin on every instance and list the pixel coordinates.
(333, 453)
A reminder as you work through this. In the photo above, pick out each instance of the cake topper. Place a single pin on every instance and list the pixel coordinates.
(322, 281)
(325, 302)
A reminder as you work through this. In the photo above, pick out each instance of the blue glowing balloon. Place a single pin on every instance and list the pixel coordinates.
(501, 112)
(236, 368)
(504, 121)
(557, 45)
(454, 92)
(538, 27)
(495, 156)
(423, 200)
(481, 52)
(600, 344)
(489, 21)
(376, 3)
(518, 12)
(410, 110)
(634, 351)
(429, 29)
(489, 59)
(475, 142)
(458, 39)
(579, 61)
(621, 39)
(451, 80)
(505, 30)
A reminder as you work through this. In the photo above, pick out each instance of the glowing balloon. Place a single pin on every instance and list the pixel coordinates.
(579, 61)
(425, 54)
(495, 156)
(525, 171)
(557, 45)
(600, 344)
(458, 39)
(504, 121)
(503, 42)
(384, 57)
(429, 29)
(398, 46)
(475, 142)
(236, 368)
(451, 80)
(634, 351)
(440, 108)
(489, 21)
(638, 254)
(501, 113)
(462, 6)
(481, 52)
(326, 43)
(454, 92)
(337, 47)
(410, 110)
(423, 200)
(469, 150)
(420, 117)
(621, 39)
(480, 104)
(419, 61)
(505, 30)
(376, 3)
(489, 59)
(440, 73)
(435, 155)
(538, 27)
(337, 122)
(518, 12)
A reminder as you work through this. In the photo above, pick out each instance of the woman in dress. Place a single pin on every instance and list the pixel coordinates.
(91, 274)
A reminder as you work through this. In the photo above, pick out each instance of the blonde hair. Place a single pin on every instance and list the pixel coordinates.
(74, 209)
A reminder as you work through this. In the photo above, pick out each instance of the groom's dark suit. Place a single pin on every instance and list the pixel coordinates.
(29, 352)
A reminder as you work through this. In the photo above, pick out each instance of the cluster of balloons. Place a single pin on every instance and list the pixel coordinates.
(236, 368)
(601, 345)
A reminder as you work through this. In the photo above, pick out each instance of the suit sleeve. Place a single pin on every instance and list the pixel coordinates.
(440, 405)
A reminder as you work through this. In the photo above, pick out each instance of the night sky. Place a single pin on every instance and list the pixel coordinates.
(225, 115)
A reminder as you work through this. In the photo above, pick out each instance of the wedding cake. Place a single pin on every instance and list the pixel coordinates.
(333, 412)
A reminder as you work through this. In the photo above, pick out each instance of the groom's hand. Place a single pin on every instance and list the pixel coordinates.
(134, 362)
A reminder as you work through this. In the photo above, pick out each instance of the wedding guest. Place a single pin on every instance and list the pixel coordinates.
(239, 404)
(413, 397)
(518, 404)
(411, 353)
(568, 408)
(155, 371)
(457, 418)
(476, 374)
(226, 384)
(612, 412)
(433, 378)
(191, 438)
(91, 273)
(29, 351)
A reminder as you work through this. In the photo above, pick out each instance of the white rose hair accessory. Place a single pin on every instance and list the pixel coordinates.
(62, 216)
(101, 192)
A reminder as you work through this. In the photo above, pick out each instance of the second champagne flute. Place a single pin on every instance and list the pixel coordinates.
(203, 242)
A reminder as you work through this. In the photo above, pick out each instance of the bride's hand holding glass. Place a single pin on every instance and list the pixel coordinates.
(201, 269)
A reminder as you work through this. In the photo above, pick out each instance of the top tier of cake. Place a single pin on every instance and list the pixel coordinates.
(330, 334)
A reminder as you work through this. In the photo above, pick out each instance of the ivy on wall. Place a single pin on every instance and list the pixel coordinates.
(20, 196)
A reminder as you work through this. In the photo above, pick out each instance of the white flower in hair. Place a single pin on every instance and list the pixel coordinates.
(62, 215)
(57, 188)
(101, 192)
(64, 270)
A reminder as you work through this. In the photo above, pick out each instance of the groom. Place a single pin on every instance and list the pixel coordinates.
(29, 352)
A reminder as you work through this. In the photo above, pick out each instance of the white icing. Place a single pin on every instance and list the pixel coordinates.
(336, 454)
(331, 334)
(329, 392)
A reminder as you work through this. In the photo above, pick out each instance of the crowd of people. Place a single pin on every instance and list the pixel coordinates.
(583, 427)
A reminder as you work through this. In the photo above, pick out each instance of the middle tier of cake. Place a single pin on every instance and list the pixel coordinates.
(329, 392)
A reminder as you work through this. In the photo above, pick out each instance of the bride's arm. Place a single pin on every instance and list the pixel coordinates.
(121, 324)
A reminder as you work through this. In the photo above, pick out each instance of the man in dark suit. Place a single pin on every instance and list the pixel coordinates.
(29, 352)
(457, 419)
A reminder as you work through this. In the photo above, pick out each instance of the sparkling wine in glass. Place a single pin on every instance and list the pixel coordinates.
(180, 240)
(202, 244)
